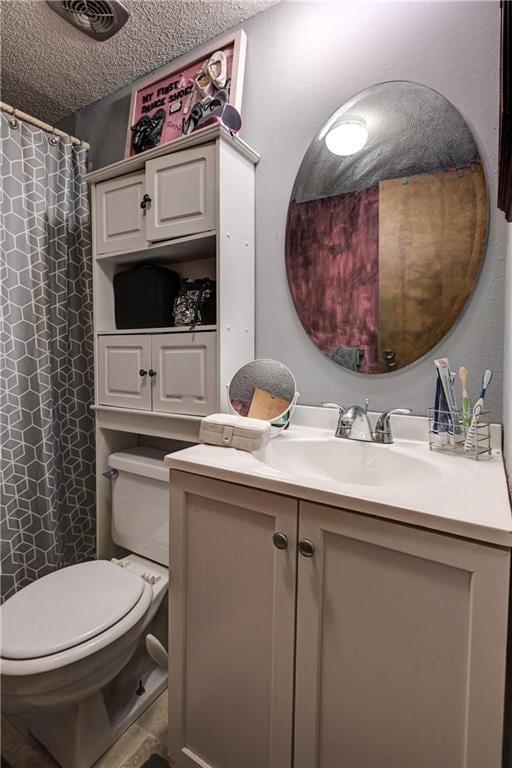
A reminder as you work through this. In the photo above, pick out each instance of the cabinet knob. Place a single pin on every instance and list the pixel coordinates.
(152, 372)
(142, 372)
(306, 548)
(280, 540)
(145, 201)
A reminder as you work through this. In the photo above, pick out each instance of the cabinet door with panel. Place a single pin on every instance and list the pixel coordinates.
(182, 188)
(124, 363)
(120, 219)
(400, 646)
(232, 609)
(186, 373)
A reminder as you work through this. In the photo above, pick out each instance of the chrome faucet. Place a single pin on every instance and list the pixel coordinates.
(354, 423)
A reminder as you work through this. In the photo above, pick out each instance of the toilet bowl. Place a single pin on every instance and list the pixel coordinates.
(73, 656)
(69, 633)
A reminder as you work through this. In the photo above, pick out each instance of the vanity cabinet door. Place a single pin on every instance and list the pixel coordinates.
(120, 221)
(123, 371)
(232, 618)
(400, 646)
(186, 373)
(182, 190)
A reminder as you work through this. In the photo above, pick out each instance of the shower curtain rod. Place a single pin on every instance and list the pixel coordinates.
(17, 113)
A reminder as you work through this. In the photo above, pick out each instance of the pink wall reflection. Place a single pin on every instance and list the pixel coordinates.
(333, 273)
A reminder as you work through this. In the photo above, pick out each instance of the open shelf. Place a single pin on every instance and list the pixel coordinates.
(173, 329)
(198, 246)
(177, 426)
(202, 265)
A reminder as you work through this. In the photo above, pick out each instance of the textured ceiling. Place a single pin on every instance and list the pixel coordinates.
(51, 69)
(411, 129)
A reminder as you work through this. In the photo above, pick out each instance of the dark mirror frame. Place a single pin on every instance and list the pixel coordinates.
(505, 162)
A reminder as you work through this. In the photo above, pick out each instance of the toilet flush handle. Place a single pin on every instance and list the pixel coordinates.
(157, 651)
(110, 474)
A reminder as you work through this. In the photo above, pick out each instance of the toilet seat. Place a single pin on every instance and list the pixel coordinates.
(69, 615)
(66, 608)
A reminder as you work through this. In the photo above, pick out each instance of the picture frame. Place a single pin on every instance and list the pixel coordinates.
(161, 104)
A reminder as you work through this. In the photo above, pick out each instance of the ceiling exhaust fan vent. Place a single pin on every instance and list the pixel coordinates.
(99, 19)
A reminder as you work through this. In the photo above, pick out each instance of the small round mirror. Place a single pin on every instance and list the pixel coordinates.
(262, 389)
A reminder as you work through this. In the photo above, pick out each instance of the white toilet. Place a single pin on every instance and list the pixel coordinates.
(82, 650)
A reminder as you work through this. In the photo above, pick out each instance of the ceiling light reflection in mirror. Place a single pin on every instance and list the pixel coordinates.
(347, 138)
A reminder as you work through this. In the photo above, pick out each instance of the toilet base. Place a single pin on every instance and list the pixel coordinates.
(80, 733)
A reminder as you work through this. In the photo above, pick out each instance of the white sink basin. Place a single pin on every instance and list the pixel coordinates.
(348, 462)
(403, 481)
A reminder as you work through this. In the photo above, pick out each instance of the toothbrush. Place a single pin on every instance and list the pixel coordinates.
(463, 377)
(477, 410)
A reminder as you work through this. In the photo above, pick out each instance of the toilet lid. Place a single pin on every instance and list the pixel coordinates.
(66, 608)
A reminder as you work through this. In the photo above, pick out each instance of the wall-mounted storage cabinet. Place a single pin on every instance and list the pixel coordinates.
(174, 196)
(187, 206)
(169, 373)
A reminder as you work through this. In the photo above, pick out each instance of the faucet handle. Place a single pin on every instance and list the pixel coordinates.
(340, 408)
(341, 413)
(383, 432)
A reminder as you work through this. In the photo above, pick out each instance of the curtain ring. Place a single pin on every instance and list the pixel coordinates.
(53, 139)
(13, 122)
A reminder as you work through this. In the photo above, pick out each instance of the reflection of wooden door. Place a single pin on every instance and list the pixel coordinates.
(432, 231)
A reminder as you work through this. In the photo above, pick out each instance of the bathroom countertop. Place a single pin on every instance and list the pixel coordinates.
(454, 494)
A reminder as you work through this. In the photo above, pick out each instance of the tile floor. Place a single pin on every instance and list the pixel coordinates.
(147, 736)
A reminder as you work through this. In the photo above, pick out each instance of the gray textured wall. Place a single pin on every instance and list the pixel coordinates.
(304, 61)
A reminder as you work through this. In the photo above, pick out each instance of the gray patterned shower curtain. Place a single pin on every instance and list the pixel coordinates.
(47, 435)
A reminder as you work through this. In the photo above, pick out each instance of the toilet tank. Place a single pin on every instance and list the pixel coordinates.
(140, 502)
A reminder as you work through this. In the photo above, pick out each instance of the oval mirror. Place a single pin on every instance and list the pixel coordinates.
(262, 389)
(386, 227)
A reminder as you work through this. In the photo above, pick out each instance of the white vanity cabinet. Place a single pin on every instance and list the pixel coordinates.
(232, 625)
(401, 638)
(168, 372)
(393, 652)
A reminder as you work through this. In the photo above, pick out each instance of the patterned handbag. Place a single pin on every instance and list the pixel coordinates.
(196, 303)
